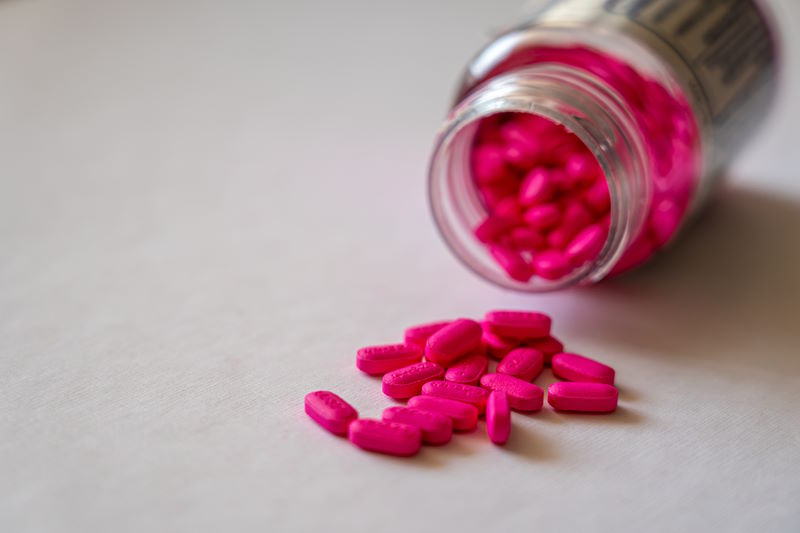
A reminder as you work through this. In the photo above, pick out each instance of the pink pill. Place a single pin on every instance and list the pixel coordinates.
(582, 167)
(559, 238)
(543, 216)
(493, 227)
(419, 335)
(508, 208)
(576, 216)
(512, 262)
(407, 382)
(597, 197)
(548, 346)
(385, 437)
(521, 154)
(376, 360)
(574, 367)
(457, 391)
(498, 417)
(523, 238)
(488, 163)
(551, 264)
(330, 411)
(455, 340)
(463, 415)
(522, 395)
(536, 188)
(583, 397)
(586, 244)
(522, 363)
(518, 324)
(436, 428)
(496, 345)
(467, 370)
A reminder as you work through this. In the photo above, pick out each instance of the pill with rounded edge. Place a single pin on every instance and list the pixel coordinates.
(518, 324)
(407, 382)
(330, 411)
(457, 391)
(468, 369)
(522, 363)
(455, 340)
(419, 334)
(436, 428)
(498, 417)
(464, 415)
(376, 360)
(385, 437)
(496, 345)
(522, 395)
(548, 346)
(574, 367)
(583, 397)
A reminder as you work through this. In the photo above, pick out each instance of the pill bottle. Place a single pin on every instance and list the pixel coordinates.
(582, 141)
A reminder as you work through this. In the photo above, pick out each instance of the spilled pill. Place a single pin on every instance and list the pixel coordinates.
(496, 345)
(467, 370)
(548, 346)
(582, 397)
(330, 411)
(518, 324)
(522, 363)
(574, 367)
(463, 415)
(436, 428)
(522, 395)
(456, 391)
(453, 341)
(498, 417)
(385, 437)
(407, 382)
(418, 335)
(376, 360)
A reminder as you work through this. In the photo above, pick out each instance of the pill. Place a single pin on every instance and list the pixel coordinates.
(498, 346)
(493, 226)
(536, 188)
(549, 346)
(419, 334)
(488, 163)
(522, 363)
(498, 417)
(468, 369)
(559, 238)
(574, 367)
(330, 411)
(512, 262)
(376, 360)
(453, 341)
(385, 437)
(436, 428)
(586, 244)
(457, 391)
(551, 264)
(543, 216)
(518, 324)
(597, 197)
(584, 397)
(407, 382)
(463, 415)
(523, 238)
(522, 395)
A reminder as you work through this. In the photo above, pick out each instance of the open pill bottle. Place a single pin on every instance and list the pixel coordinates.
(582, 140)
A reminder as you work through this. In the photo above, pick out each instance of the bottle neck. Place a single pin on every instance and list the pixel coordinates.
(585, 106)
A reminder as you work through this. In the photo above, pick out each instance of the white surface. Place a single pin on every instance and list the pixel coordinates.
(205, 208)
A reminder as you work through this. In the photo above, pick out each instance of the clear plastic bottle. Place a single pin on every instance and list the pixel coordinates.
(662, 93)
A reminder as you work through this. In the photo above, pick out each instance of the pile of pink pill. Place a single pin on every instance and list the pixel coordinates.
(441, 370)
(546, 198)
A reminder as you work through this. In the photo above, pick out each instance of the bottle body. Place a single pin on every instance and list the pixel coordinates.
(609, 87)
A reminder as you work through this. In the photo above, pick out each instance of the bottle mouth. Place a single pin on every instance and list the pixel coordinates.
(584, 107)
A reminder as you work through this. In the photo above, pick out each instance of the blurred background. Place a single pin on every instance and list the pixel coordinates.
(207, 207)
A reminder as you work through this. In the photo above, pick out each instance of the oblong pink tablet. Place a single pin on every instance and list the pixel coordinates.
(498, 417)
(467, 370)
(455, 340)
(376, 360)
(583, 397)
(436, 428)
(522, 363)
(496, 345)
(548, 346)
(574, 367)
(419, 334)
(457, 391)
(385, 437)
(522, 395)
(463, 415)
(330, 411)
(519, 324)
(407, 382)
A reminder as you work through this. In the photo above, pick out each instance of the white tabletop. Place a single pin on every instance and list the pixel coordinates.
(207, 207)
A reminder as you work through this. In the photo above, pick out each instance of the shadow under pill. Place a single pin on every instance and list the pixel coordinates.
(622, 416)
(529, 444)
